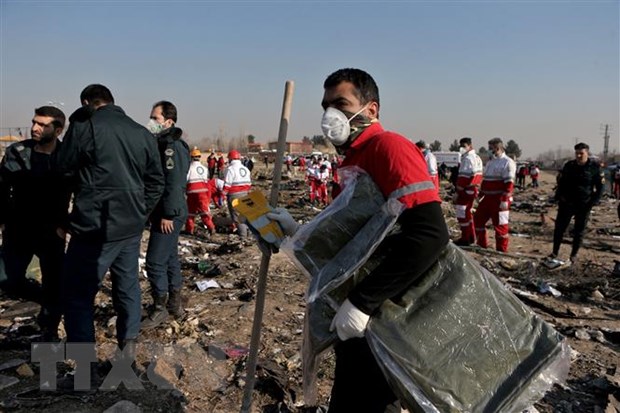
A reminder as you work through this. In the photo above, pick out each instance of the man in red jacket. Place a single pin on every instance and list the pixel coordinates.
(397, 166)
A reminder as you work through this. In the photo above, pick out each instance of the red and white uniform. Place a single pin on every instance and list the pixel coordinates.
(431, 163)
(467, 183)
(237, 184)
(322, 176)
(312, 177)
(199, 190)
(237, 178)
(497, 187)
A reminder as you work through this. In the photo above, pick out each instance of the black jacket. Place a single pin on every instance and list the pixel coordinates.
(580, 185)
(115, 170)
(33, 196)
(174, 155)
(408, 252)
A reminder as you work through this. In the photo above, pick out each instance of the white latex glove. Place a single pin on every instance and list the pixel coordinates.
(349, 322)
(287, 222)
(503, 206)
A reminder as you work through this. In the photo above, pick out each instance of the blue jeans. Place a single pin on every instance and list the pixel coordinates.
(86, 263)
(162, 259)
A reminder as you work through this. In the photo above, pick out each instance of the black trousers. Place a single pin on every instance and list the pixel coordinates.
(20, 245)
(359, 384)
(565, 213)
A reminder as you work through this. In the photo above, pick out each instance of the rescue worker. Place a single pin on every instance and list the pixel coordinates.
(467, 183)
(351, 123)
(34, 202)
(496, 195)
(579, 188)
(288, 161)
(431, 162)
(521, 174)
(116, 170)
(302, 163)
(199, 195)
(322, 178)
(211, 164)
(534, 172)
(162, 257)
(312, 178)
(220, 165)
(237, 184)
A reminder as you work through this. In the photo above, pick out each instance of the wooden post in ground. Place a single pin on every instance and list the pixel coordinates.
(261, 285)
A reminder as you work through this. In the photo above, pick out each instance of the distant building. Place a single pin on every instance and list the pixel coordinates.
(292, 147)
(255, 147)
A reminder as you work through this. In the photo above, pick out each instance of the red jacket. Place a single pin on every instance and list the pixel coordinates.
(394, 163)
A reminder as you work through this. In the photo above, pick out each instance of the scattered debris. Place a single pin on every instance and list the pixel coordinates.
(204, 285)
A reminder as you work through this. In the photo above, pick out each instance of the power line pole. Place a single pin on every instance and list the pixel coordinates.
(606, 145)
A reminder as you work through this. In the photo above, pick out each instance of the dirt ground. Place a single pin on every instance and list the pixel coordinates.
(202, 356)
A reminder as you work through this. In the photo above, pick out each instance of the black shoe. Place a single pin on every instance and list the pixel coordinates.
(174, 305)
(66, 384)
(157, 315)
(128, 348)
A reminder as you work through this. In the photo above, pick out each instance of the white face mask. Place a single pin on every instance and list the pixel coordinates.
(154, 127)
(462, 150)
(336, 126)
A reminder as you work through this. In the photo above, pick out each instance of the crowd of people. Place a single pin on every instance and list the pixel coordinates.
(121, 175)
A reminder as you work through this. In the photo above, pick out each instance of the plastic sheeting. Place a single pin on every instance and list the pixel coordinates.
(459, 341)
(331, 251)
(456, 341)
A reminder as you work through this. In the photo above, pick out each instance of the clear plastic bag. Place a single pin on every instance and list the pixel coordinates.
(459, 341)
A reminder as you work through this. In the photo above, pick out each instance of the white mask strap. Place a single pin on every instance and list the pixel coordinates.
(358, 112)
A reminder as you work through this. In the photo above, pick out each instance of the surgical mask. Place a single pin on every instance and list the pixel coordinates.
(154, 127)
(462, 150)
(336, 126)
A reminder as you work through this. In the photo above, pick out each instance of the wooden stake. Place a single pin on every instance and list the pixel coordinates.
(261, 285)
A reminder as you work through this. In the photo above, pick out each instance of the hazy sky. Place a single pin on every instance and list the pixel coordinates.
(543, 73)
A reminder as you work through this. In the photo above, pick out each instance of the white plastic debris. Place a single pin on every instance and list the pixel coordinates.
(204, 285)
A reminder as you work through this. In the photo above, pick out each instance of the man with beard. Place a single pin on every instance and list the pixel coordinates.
(398, 168)
(33, 205)
(162, 258)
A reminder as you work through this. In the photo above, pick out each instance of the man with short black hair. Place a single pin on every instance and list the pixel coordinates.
(162, 257)
(398, 168)
(34, 203)
(579, 188)
(115, 168)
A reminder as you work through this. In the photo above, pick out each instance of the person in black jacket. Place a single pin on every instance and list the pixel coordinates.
(34, 203)
(162, 260)
(579, 188)
(115, 170)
